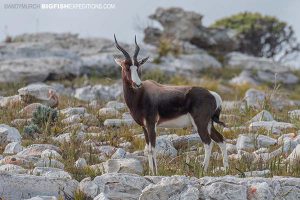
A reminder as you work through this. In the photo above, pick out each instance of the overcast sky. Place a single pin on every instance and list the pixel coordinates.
(128, 13)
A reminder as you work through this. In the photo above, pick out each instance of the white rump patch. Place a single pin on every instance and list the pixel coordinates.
(134, 75)
(217, 98)
(179, 122)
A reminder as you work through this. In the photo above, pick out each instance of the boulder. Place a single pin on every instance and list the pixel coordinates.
(265, 141)
(191, 63)
(263, 173)
(223, 188)
(73, 119)
(10, 101)
(243, 61)
(50, 154)
(287, 78)
(264, 115)
(116, 105)
(27, 161)
(8, 134)
(294, 114)
(31, 70)
(30, 109)
(257, 99)
(175, 187)
(13, 169)
(119, 153)
(65, 137)
(105, 150)
(244, 78)
(115, 186)
(123, 165)
(163, 148)
(245, 142)
(184, 25)
(37, 150)
(294, 157)
(16, 186)
(231, 148)
(261, 191)
(118, 122)
(271, 126)
(254, 98)
(38, 93)
(43, 198)
(124, 186)
(185, 141)
(13, 148)
(51, 172)
(68, 112)
(80, 163)
(98, 92)
(108, 111)
(21, 122)
(46, 162)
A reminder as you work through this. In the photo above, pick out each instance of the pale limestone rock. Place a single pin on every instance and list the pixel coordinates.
(108, 111)
(15, 186)
(80, 163)
(8, 134)
(13, 169)
(13, 148)
(272, 126)
(115, 186)
(73, 111)
(264, 115)
(116, 105)
(37, 149)
(175, 187)
(123, 165)
(118, 122)
(48, 153)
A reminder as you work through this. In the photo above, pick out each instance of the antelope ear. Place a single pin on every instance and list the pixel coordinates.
(119, 61)
(143, 61)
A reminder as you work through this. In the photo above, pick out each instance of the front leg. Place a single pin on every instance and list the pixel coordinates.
(151, 126)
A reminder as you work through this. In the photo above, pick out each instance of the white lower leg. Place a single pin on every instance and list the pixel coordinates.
(152, 159)
(207, 149)
(222, 146)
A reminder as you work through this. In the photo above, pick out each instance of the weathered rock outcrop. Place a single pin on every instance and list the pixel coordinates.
(184, 25)
(15, 186)
(123, 186)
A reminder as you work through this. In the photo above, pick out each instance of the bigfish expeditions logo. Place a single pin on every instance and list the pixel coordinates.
(61, 6)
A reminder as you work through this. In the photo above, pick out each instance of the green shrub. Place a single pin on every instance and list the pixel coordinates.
(263, 36)
(30, 130)
(44, 117)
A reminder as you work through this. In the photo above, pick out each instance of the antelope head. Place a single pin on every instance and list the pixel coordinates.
(130, 67)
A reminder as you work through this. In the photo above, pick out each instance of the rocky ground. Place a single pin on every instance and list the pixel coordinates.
(65, 132)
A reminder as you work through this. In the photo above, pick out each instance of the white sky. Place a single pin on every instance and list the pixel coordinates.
(128, 13)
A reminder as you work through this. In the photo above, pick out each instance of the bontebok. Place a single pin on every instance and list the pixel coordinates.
(154, 105)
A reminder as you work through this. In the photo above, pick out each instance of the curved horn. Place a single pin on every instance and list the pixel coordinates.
(127, 56)
(136, 52)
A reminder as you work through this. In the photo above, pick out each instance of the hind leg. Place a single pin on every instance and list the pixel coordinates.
(203, 129)
(219, 139)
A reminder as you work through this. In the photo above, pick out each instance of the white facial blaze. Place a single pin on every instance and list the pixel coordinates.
(134, 75)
